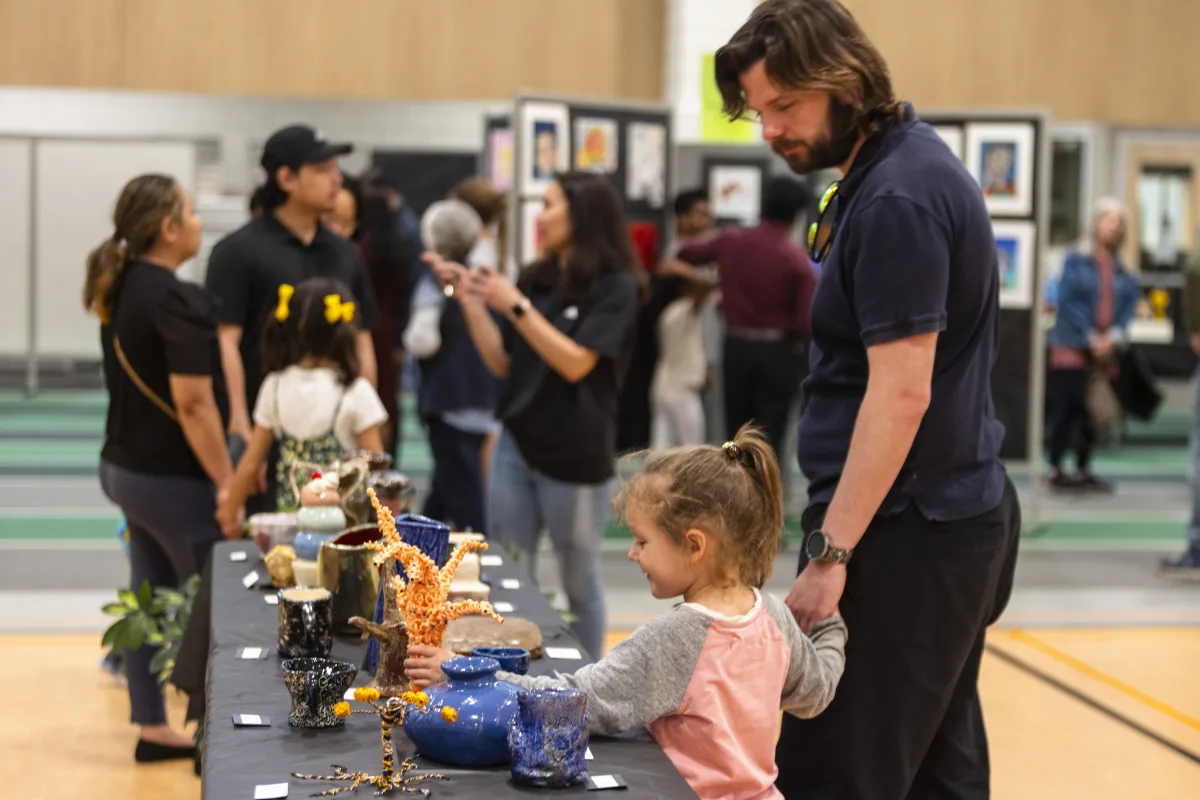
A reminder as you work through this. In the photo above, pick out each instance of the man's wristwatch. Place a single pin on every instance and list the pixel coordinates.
(818, 548)
(520, 308)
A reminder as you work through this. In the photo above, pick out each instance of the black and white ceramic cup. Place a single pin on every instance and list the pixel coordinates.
(305, 622)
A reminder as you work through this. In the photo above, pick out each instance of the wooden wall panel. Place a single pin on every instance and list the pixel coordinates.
(61, 42)
(1104, 60)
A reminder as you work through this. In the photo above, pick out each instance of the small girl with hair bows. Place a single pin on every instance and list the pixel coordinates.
(703, 678)
(311, 400)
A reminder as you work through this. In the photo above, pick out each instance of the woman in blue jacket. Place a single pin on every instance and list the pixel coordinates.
(1096, 300)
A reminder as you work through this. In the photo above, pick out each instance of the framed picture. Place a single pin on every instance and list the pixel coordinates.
(735, 192)
(596, 144)
(531, 243)
(500, 158)
(952, 135)
(646, 164)
(1000, 157)
(545, 147)
(1015, 242)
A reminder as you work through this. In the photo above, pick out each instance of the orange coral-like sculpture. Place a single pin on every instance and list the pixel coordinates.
(422, 599)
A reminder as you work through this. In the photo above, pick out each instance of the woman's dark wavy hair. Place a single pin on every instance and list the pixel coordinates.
(307, 332)
(810, 45)
(600, 242)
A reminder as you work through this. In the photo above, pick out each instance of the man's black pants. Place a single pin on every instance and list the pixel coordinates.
(906, 721)
(761, 381)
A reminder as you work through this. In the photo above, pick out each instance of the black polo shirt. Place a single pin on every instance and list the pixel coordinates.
(247, 267)
(913, 253)
(165, 327)
(568, 431)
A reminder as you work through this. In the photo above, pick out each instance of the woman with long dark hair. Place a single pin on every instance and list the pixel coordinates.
(164, 459)
(563, 346)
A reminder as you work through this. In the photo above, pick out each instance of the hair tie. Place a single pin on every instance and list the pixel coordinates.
(285, 296)
(337, 311)
(732, 451)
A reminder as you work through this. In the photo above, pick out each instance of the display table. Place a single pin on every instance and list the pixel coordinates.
(238, 759)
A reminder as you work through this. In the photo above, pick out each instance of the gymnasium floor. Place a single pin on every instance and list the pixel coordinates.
(1090, 684)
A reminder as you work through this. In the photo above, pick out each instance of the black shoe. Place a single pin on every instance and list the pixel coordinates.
(1185, 567)
(1090, 483)
(1061, 482)
(148, 752)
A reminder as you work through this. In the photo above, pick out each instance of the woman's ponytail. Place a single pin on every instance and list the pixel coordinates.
(104, 265)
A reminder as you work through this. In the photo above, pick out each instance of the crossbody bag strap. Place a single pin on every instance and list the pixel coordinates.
(140, 384)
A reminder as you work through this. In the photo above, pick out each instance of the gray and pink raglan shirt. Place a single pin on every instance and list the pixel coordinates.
(709, 688)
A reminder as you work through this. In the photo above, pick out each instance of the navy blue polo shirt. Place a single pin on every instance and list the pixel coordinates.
(912, 253)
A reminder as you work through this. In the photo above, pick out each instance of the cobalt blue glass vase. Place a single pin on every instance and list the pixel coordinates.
(550, 738)
(429, 536)
(487, 709)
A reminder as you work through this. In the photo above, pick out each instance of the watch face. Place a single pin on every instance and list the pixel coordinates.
(815, 547)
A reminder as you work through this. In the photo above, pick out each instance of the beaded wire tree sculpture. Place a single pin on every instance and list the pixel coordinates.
(423, 598)
(392, 714)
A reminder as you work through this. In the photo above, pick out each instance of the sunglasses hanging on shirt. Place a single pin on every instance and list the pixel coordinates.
(820, 237)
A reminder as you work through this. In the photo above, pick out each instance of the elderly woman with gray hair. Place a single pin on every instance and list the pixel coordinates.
(457, 395)
(1096, 301)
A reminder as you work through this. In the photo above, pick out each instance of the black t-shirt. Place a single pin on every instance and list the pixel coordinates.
(913, 253)
(246, 269)
(568, 431)
(166, 327)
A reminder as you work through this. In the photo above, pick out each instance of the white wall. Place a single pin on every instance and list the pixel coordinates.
(234, 124)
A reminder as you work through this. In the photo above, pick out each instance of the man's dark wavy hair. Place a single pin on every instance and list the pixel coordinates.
(811, 45)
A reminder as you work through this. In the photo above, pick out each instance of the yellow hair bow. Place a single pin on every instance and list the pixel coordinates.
(285, 296)
(336, 310)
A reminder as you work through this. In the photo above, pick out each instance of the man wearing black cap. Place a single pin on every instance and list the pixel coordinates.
(287, 243)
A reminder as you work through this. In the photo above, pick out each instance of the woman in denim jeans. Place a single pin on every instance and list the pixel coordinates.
(563, 346)
(1096, 300)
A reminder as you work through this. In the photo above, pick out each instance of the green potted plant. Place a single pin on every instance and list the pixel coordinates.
(151, 616)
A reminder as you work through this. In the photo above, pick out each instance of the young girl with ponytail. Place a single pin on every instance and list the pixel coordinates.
(706, 523)
(311, 399)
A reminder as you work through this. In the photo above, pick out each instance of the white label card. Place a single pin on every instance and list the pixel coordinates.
(250, 719)
(588, 754)
(238, 555)
(567, 653)
(510, 583)
(604, 782)
(251, 653)
(490, 561)
(270, 791)
(503, 608)
(250, 580)
(271, 599)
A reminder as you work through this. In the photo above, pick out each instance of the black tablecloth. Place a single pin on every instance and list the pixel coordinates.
(238, 759)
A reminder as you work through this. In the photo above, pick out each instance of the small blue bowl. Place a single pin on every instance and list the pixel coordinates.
(512, 659)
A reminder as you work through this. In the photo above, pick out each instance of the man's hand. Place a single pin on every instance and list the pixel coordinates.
(231, 520)
(816, 593)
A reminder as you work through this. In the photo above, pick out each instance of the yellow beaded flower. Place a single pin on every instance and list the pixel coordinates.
(365, 694)
(342, 709)
(421, 699)
(449, 714)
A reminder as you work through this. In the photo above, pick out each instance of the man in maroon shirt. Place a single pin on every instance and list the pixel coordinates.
(767, 287)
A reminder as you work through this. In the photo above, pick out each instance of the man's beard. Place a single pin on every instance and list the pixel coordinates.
(831, 150)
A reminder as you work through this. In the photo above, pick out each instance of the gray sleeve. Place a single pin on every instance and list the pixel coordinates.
(641, 679)
(817, 661)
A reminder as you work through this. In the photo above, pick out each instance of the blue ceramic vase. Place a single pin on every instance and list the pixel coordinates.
(429, 536)
(487, 709)
(550, 738)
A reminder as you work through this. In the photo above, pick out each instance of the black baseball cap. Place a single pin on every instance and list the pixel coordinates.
(297, 145)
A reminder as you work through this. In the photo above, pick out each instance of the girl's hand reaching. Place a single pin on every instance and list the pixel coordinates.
(423, 667)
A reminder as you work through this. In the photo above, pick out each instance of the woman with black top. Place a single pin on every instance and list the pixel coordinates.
(164, 456)
(563, 346)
